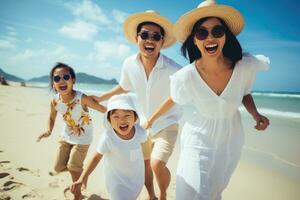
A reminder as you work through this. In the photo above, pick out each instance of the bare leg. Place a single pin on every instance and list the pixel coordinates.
(75, 176)
(163, 177)
(149, 180)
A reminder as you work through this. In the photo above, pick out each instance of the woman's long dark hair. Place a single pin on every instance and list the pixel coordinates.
(232, 48)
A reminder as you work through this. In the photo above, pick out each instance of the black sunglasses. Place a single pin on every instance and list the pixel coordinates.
(154, 36)
(57, 78)
(202, 33)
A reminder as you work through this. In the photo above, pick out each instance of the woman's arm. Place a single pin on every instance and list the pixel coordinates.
(262, 122)
(162, 109)
(76, 186)
(116, 90)
(51, 122)
(91, 103)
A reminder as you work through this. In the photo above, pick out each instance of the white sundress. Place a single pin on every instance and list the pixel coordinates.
(211, 142)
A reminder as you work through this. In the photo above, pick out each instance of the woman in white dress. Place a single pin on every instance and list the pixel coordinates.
(216, 83)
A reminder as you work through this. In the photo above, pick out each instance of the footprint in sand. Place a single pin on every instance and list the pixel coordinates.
(4, 174)
(5, 161)
(54, 184)
(9, 185)
(32, 194)
(5, 197)
(35, 173)
(20, 169)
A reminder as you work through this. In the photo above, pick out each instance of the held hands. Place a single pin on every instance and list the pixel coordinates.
(44, 135)
(262, 122)
(147, 125)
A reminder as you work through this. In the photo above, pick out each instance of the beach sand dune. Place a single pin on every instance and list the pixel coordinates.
(25, 164)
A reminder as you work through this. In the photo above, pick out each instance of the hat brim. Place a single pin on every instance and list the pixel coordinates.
(233, 19)
(131, 23)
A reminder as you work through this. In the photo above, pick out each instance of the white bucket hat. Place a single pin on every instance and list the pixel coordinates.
(131, 23)
(122, 101)
(209, 8)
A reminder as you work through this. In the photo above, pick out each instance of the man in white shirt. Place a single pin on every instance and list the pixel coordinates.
(147, 75)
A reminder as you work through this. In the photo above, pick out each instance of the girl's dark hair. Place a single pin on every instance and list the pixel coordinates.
(232, 48)
(112, 111)
(61, 65)
(139, 27)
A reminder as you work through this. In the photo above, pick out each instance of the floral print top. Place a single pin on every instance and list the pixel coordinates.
(78, 123)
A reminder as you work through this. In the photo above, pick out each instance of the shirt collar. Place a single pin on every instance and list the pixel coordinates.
(159, 62)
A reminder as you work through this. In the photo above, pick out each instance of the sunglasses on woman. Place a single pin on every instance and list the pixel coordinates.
(202, 33)
(57, 78)
(154, 36)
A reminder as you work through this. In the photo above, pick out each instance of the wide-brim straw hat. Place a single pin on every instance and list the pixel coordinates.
(209, 8)
(131, 23)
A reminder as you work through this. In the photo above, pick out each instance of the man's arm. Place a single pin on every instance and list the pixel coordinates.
(116, 90)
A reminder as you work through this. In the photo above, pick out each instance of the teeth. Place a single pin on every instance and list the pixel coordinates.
(211, 45)
(149, 46)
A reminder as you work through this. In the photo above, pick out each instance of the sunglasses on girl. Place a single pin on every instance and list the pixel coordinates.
(57, 78)
(154, 36)
(202, 33)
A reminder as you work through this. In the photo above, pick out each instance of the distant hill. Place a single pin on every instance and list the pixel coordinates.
(10, 77)
(80, 78)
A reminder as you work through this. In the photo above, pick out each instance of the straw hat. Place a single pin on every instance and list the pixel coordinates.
(209, 8)
(131, 23)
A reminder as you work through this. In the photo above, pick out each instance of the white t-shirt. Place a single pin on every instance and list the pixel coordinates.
(123, 161)
(153, 92)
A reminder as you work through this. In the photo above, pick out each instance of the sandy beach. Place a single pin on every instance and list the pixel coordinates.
(25, 164)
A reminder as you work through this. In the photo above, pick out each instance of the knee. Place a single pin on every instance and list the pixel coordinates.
(158, 166)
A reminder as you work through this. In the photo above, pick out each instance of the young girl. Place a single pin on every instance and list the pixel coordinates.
(77, 133)
(120, 147)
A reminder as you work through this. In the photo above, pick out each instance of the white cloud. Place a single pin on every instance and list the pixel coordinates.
(35, 62)
(79, 30)
(28, 40)
(12, 33)
(107, 51)
(119, 16)
(10, 28)
(6, 44)
(89, 11)
(107, 58)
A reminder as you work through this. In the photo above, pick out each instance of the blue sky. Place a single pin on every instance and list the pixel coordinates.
(35, 34)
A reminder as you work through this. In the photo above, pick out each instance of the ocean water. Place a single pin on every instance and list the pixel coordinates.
(277, 148)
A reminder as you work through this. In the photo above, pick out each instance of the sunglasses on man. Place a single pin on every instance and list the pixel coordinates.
(57, 78)
(202, 33)
(153, 36)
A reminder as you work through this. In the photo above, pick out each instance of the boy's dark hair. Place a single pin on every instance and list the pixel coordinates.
(61, 65)
(139, 27)
(112, 111)
(232, 48)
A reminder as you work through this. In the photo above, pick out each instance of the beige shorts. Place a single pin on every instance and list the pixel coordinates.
(70, 157)
(161, 145)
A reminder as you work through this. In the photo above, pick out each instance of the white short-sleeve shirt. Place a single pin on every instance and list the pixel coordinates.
(123, 163)
(153, 92)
